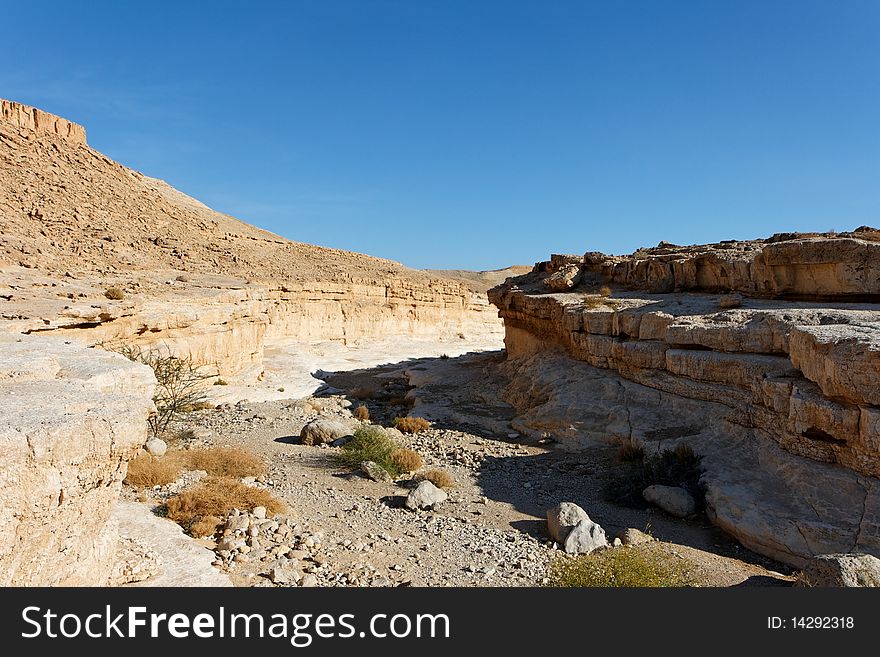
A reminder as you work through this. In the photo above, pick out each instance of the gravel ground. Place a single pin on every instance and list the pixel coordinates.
(343, 529)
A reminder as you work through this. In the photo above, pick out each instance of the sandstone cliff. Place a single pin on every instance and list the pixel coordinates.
(764, 356)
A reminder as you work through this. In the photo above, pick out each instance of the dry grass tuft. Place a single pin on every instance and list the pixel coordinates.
(440, 478)
(114, 293)
(630, 451)
(216, 497)
(406, 460)
(411, 424)
(205, 527)
(362, 412)
(604, 291)
(146, 471)
(223, 462)
(370, 443)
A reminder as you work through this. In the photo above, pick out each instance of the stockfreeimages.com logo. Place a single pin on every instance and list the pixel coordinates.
(300, 629)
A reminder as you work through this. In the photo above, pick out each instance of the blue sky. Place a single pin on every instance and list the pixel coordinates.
(446, 133)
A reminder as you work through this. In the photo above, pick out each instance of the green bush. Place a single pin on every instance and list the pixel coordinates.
(619, 567)
(370, 444)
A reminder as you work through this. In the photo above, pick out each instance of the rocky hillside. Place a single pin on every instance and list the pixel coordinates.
(763, 356)
(74, 224)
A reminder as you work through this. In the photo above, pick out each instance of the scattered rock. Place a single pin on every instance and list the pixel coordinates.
(585, 537)
(562, 518)
(563, 280)
(309, 581)
(156, 447)
(375, 472)
(632, 536)
(259, 512)
(425, 496)
(323, 430)
(841, 570)
(674, 500)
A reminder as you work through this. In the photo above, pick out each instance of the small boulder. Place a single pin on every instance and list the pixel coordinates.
(259, 512)
(424, 496)
(339, 442)
(323, 430)
(676, 501)
(841, 570)
(564, 279)
(631, 536)
(375, 471)
(585, 537)
(156, 447)
(562, 518)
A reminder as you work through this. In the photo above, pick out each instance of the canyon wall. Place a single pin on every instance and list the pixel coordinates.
(70, 419)
(40, 122)
(775, 385)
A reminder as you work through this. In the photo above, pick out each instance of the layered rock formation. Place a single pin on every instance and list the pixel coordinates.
(776, 385)
(42, 123)
(70, 419)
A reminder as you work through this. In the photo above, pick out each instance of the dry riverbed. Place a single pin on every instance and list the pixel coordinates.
(342, 529)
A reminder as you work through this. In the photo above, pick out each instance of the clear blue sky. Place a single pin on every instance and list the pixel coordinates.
(446, 133)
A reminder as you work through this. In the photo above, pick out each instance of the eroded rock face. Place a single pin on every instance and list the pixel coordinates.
(40, 122)
(778, 391)
(70, 419)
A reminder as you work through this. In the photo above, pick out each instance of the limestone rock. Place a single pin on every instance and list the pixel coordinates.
(585, 537)
(563, 280)
(70, 419)
(425, 496)
(841, 570)
(323, 430)
(674, 500)
(375, 472)
(562, 518)
(631, 536)
(156, 447)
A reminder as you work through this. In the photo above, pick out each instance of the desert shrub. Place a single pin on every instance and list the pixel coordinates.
(180, 384)
(217, 496)
(199, 406)
(406, 460)
(401, 400)
(411, 424)
(221, 382)
(618, 567)
(444, 356)
(676, 467)
(604, 291)
(362, 412)
(630, 450)
(205, 526)
(440, 478)
(146, 471)
(182, 278)
(369, 443)
(114, 293)
(222, 462)
(185, 435)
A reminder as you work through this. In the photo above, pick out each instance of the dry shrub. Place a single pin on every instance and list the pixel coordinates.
(146, 471)
(406, 460)
(411, 424)
(362, 412)
(114, 293)
(440, 478)
(604, 291)
(206, 526)
(630, 451)
(217, 496)
(222, 462)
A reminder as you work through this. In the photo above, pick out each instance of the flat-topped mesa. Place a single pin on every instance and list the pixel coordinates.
(764, 356)
(30, 118)
(787, 265)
